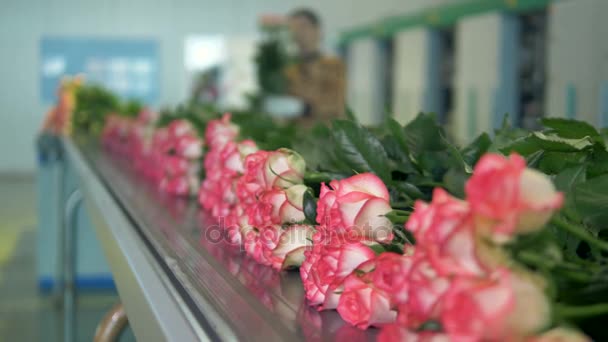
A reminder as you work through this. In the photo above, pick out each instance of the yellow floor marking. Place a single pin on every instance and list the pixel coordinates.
(10, 232)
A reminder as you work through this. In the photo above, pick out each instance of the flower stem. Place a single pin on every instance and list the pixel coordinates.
(581, 233)
(397, 218)
(403, 204)
(563, 269)
(399, 212)
(581, 311)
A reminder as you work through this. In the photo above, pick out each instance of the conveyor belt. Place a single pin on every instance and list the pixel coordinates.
(175, 280)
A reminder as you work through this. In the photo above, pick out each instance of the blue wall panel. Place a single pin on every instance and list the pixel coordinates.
(129, 67)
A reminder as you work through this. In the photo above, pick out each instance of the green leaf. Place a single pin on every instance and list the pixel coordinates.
(554, 162)
(472, 152)
(533, 159)
(423, 134)
(396, 154)
(457, 158)
(398, 134)
(454, 182)
(506, 135)
(310, 208)
(599, 163)
(591, 201)
(568, 128)
(360, 149)
(559, 144)
(566, 179)
(524, 145)
(409, 189)
(350, 115)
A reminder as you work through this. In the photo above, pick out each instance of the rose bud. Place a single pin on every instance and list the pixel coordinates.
(221, 131)
(290, 248)
(426, 290)
(284, 168)
(391, 275)
(357, 203)
(329, 264)
(234, 159)
(252, 183)
(361, 304)
(236, 225)
(278, 206)
(178, 128)
(508, 199)
(175, 166)
(504, 306)
(539, 198)
(189, 147)
(445, 230)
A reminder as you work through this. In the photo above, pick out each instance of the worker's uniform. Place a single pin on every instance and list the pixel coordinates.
(319, 81)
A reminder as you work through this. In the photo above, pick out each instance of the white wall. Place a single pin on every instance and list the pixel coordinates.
(24, 22)
(413, 81)
(484, 77)
(365, 91)
(577, 56)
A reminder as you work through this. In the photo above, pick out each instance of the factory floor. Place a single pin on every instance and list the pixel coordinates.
(25, 315)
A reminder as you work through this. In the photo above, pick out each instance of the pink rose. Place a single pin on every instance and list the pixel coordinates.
(217, 196)
(179, 186)
(515, 199)
(223, 167)
(445, 230)
(391, 275)
(178, 128)
(259, 243)
(188, 146)
(290, 248)
(284, 168)
(221, 131)
(426, 290)
(175, 166)
(278, 206)
(361, 303)
(236, 224)
(268, 170)
(503, 305)
(147, 116)
(358, 203)
(328, 264)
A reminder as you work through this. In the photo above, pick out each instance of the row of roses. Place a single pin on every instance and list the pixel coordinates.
(456, 283)
(168, 156)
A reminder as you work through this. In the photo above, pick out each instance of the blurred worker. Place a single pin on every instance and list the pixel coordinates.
(317, 80)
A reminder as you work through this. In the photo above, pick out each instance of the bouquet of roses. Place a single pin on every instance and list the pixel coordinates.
(397, 228)
(448, 269)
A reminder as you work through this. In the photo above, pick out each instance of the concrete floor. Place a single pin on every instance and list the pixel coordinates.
(25, 315)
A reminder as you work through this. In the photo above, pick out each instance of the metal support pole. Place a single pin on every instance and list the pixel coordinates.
(112, 325)
(69, 265)
(58, 289)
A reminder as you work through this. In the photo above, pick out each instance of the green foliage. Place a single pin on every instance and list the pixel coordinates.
(264, 130)
(197, 114)
(359, 149)
(415, 158)
(271, 59)
(93, 104)
(310, 208)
